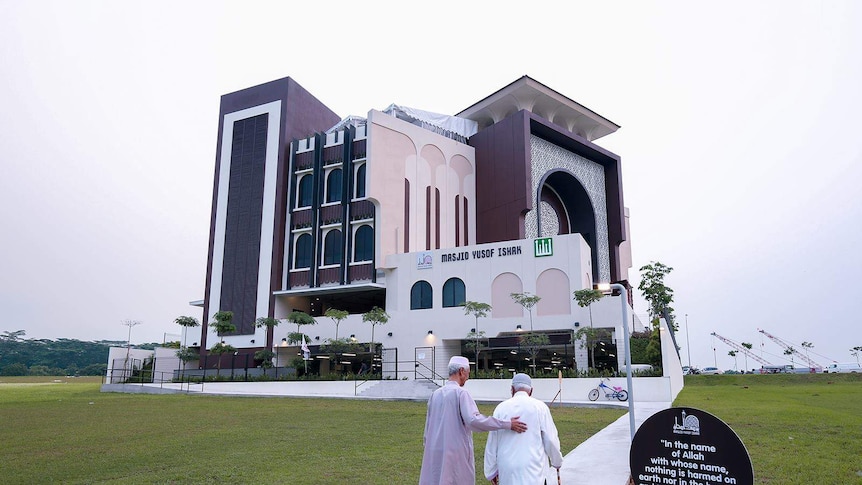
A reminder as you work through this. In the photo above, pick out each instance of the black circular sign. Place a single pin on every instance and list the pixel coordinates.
(686, 446)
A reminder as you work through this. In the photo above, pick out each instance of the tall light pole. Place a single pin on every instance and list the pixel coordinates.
(687, 342)
(130, 324)
(624, 299)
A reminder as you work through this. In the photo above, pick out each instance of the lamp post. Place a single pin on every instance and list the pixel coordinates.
(687, 342)
(624, 300)
(130, 324)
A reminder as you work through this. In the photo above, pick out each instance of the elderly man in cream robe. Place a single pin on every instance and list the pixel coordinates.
(452, 417)
(522, 459)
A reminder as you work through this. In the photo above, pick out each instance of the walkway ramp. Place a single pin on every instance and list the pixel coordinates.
(414, 390)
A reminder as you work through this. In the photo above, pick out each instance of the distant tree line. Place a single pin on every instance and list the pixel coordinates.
(61, 357)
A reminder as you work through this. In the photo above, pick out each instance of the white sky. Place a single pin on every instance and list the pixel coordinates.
(742, 156)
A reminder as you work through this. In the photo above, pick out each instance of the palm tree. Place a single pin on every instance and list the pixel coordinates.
(732, 353)
(477, 309)
(376, 316)
(528, 301)
(337, 316)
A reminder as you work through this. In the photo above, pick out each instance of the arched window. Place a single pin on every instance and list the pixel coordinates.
(332, 248)
(454, 293)
(305, 191)
(360, 181)
(333, 186)
(363, 244)
(302, 252)
(421, 295)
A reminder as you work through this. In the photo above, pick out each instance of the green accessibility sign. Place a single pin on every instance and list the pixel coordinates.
(544, 246)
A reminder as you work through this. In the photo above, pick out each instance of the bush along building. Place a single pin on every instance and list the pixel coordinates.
(415, 213)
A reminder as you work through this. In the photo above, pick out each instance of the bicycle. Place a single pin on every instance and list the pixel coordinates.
(614, 392)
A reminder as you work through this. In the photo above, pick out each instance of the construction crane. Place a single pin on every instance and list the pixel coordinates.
(740, 348)
(789, 349)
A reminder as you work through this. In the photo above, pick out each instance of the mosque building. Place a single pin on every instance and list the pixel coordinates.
(415, 212)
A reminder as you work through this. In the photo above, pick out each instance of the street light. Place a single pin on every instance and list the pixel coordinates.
(130, 324)
(624, 299)
(687, 343)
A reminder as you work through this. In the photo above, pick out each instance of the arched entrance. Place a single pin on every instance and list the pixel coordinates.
(565, 208)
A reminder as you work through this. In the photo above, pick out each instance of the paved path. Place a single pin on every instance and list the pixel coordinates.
(604, 458)
(601, 460)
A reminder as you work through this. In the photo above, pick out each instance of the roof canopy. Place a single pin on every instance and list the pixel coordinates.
(528, 94)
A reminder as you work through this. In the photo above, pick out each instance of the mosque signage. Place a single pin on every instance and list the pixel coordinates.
(544, 246)
(480, 254)
(424, 261)
(686, 446)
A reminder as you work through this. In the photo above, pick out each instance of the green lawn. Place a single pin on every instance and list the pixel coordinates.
(798, 429)
(70, 432)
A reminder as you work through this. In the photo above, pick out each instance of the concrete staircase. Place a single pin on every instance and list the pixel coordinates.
(418, 390)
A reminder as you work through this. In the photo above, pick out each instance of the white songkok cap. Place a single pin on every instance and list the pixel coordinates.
(459, 361)
(522, 379)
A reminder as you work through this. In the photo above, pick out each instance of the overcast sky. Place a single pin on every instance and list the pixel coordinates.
(740, 142)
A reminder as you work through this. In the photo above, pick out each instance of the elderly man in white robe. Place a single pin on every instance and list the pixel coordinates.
(522, 459)
(452, 417)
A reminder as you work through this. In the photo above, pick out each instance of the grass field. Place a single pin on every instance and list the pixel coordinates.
(69, 432)
(799, 429)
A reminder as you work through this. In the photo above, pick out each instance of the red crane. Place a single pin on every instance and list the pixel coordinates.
(740, 348)
(789, 349)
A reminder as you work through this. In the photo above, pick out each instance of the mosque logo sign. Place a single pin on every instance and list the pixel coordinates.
(544, 246)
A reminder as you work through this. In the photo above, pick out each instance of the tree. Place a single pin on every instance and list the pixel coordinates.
(300, 319)
(528, 301)
(748, 346)
(806, 346)
(223, 323)
(187, 323)
(477, 309)
(297, 338)
(591, 336)
(474, 343)
(790, 351)
(187, 355)
(219, 349)
(265, 357)
(12, 336)
(269, 323)
(534, 343)
(334, 348)
(855, 352)
(732, 353)
(376, 316)
(16, 369)
(586, 298)
(656, 293)
(337, 316)
(659, 296)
